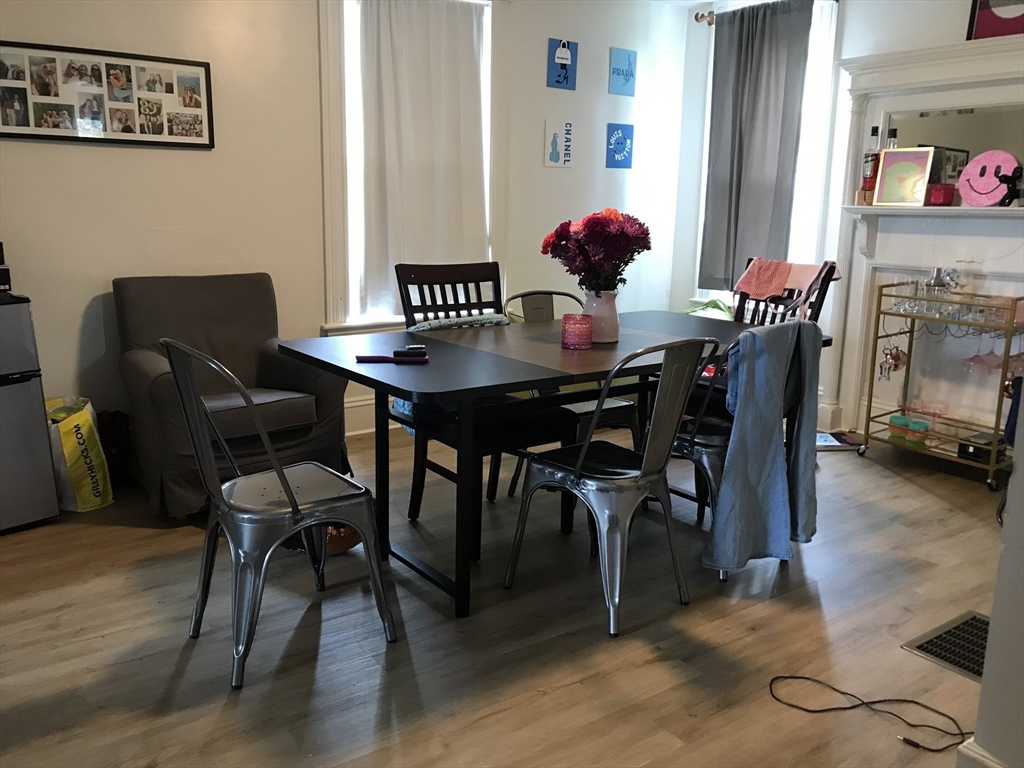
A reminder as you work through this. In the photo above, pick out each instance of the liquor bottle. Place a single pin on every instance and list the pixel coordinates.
(869, 172)
(890, 139)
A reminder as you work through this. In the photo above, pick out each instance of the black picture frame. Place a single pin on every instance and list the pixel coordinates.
(93, 131)
(972, 19)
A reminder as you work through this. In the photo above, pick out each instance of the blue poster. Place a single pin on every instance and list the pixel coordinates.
(622, 73)
(561, 64)
(619, 146)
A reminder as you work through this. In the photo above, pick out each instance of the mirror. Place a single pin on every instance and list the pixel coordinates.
(964, 132)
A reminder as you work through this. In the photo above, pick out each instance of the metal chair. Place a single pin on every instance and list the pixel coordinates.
(539, 307)
(259, 511)
(613, 481)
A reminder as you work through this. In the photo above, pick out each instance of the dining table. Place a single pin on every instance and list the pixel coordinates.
(467, 368)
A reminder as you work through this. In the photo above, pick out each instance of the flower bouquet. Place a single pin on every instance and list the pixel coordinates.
(596, 250)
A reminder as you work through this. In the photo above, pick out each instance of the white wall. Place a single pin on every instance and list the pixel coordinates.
(72, 217)
(539, 197)
(1000, 739)
(889, 26)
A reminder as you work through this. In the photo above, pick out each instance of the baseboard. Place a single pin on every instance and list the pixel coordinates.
(829, 417)
(970, 755)
(359, 416)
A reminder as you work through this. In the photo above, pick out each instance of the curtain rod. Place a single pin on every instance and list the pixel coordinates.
(709, 17)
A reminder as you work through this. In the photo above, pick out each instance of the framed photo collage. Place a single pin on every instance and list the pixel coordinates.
(80, 94)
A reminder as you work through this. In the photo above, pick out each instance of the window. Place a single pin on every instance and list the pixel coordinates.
(812, 164)
(382, 191)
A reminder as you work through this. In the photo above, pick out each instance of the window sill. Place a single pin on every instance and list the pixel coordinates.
(351, 329)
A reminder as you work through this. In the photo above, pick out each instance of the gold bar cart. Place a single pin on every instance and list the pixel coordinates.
(978, 313)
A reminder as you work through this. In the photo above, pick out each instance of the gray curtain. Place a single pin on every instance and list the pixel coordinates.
(756, 90)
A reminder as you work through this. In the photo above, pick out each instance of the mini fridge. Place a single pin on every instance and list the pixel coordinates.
(28, 488)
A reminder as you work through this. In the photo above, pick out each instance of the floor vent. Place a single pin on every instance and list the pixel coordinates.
(958, 644)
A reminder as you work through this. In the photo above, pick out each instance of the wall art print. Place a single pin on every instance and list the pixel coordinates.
(619, 146)
(81, 94)
(562, 60)
(559, 137)
(622, 72)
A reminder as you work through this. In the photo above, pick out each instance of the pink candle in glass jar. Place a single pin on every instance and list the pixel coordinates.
(577, 331)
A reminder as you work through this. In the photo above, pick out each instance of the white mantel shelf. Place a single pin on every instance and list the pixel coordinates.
(937, 211)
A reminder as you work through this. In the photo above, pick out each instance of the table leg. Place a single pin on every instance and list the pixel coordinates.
(568, 506)
(382, 460)
(468, 506)
(643, 405)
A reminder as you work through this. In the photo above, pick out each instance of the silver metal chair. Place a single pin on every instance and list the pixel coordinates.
(539, 306)
(259, 511)
(613, 481)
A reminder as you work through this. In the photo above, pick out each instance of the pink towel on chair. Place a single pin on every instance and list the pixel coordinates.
(764, 278)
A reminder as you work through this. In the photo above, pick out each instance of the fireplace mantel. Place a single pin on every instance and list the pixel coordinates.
(870, 242)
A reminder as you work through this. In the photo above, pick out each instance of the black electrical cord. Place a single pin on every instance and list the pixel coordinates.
(960, 734)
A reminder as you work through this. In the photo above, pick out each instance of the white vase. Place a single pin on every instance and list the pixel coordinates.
(601, 306)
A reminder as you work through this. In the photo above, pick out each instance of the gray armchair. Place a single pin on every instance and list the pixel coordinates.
(232, 318)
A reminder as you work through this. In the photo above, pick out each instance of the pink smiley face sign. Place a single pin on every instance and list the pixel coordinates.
(979, 183)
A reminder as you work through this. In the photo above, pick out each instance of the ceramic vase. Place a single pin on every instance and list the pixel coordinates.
(601, 306)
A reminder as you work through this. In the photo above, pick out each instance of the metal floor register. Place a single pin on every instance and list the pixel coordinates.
(958, 644)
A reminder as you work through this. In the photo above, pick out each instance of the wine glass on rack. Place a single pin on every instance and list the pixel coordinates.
(991, 361)
(975, 361)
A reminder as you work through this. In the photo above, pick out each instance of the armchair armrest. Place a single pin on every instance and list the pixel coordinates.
(147, 378)
(276, 371)
(158, 423)
(142, 369)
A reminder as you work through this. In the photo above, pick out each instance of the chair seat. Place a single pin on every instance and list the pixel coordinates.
(604, 460)
(279, 409)
(312, 484)
(611, 405)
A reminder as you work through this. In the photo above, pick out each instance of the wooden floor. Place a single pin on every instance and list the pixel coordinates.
(96, 668)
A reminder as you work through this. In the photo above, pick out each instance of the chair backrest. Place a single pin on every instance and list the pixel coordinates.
(224, 316)
(434, 291)
(681, 366)
(197, 418)
(760, 312)
(539, 306)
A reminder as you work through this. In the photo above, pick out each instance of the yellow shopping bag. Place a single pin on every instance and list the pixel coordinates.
(83, 483)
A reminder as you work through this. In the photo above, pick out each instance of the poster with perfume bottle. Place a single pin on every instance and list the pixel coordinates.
(558, 143)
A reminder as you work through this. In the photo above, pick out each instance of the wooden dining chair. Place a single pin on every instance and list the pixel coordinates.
(775, 309)
(539, 306)
(779, 309)
(470, 293)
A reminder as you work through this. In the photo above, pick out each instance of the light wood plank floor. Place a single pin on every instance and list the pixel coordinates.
(96, 668)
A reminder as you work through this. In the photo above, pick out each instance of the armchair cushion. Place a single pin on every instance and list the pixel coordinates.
(278, 409)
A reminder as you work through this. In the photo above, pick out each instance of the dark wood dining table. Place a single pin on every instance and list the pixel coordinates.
(468, 366)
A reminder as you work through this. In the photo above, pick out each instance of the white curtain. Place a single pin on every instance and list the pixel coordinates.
(423, 135)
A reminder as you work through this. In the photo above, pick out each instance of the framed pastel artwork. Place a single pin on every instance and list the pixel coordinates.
(903, 176)
(53, 92)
